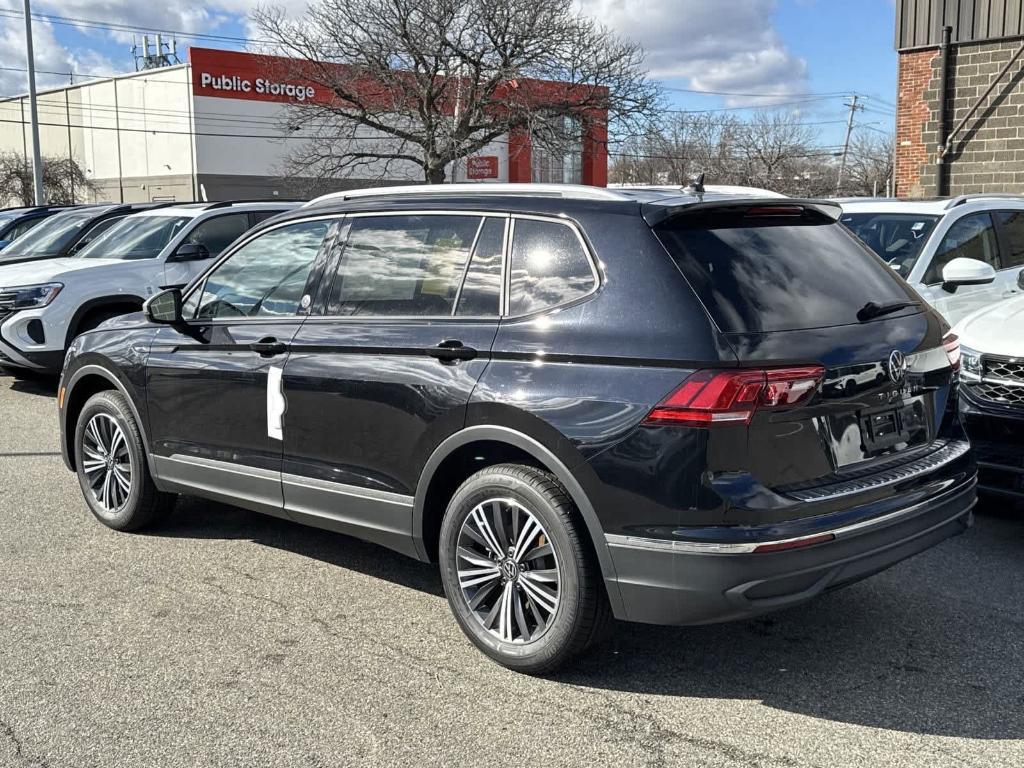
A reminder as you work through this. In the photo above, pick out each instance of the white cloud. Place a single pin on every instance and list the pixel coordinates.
(53, 61)
(713, 45)
(717, 45)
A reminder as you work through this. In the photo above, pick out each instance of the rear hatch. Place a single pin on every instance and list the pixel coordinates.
(789, 288)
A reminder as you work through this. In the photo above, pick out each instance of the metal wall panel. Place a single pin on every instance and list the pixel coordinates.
(919, 23)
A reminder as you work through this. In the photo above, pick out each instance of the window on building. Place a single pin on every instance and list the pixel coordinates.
(549, 266)
(972, 237)
(403, 265)
(1013, 225)
(265, 277)
(557, 153)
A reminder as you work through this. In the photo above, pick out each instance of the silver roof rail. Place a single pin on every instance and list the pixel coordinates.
(572, 191)
(961, 199)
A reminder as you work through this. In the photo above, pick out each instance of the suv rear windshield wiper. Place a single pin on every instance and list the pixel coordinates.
(871, 310)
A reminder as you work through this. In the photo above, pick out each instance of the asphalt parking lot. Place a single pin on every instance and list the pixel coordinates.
(230, 639)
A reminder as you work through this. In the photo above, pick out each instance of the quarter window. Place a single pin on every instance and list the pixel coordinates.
(396, 266)
(1013, 225)
(265, 277)
(548, 267)
(971, 237)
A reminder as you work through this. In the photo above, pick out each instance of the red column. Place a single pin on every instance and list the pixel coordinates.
(519, 156)
(595, 150)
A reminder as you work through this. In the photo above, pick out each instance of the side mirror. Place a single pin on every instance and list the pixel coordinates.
(164, 307)
(190, 252)
(964, 271)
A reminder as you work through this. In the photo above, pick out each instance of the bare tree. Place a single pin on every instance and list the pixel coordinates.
(64, 182)
(427, 82)
(770, 147)
(869, 164)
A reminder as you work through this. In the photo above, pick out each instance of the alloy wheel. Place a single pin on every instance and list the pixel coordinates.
(508, 570)
(106, 462)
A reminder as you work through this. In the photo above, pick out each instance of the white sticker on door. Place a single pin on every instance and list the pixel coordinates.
(275, 403)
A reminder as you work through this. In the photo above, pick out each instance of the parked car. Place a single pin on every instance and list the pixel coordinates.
(960, 254)
(580, 402)
(66, 233)
(15, 222)
(45, 304)
(992, 394)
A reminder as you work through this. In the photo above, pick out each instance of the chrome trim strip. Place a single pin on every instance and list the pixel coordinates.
(344, 489)
(951, 452)
(705, 547)
(222, 466)
(996, 381)
(929, 360)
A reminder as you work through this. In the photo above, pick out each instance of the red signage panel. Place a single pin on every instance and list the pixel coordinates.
(482, 167)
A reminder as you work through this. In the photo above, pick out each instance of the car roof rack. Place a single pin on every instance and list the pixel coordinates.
(961, 199)
(228, 203)
(568, 191)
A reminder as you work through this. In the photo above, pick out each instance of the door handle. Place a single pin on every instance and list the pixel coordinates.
(269, 347)
(452, 350)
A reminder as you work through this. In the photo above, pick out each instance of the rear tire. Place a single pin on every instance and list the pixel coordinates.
(527, 592)
(110, 461)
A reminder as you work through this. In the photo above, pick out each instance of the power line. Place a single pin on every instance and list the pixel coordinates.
(70, 21)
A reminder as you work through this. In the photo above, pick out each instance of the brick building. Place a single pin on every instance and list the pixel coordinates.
(982, 125)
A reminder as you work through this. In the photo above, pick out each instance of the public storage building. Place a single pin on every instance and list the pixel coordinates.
(212, 128)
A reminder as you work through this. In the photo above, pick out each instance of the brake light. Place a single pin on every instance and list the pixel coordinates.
(951, 343)
(774, 210)
(710, 397)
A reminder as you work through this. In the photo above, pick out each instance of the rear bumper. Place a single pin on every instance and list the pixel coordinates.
(660, 585)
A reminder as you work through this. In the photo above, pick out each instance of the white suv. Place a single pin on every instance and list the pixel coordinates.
(960, 254)
(45, 304)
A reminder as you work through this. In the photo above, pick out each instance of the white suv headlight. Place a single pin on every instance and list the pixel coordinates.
(28, 296)
(970, 363)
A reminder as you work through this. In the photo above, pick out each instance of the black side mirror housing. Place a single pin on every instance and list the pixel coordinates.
(190, 252)
(164, 307)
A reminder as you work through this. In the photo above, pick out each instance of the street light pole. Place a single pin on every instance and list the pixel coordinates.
(37, 160)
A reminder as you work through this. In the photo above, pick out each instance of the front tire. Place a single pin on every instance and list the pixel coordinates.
(519, 576)
(111, 466)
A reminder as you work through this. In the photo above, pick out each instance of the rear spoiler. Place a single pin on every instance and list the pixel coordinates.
(655, 213)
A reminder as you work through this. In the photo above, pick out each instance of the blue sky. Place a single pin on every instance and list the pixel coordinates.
(796, 48)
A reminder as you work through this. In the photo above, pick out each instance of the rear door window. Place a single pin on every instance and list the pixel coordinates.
(971, 237)
(403, 265)
(481, 289)
(757, 273)
(549, 266)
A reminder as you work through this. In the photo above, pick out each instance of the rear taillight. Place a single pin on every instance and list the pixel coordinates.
(709, 397)
(952, 346)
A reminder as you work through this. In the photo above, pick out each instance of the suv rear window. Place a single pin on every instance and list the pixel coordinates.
(777, 273)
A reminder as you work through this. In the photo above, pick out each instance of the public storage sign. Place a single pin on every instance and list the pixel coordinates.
(482, 167)
(238, 75)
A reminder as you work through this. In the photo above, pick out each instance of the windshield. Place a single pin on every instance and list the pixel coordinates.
(896, 237)
(51, 236)
(135, 237)
(7, 218)
(777, 272)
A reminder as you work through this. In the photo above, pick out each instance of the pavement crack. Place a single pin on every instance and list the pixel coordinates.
(19, 748)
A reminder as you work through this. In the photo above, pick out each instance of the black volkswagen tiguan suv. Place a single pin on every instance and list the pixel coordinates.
(581, 403)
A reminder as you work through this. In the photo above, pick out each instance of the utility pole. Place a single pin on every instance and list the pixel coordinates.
(37, 160)
(846, 142)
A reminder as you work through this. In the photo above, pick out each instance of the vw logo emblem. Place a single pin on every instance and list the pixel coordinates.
(897, 366)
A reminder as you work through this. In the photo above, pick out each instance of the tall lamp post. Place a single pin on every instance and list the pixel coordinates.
(37, 160)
